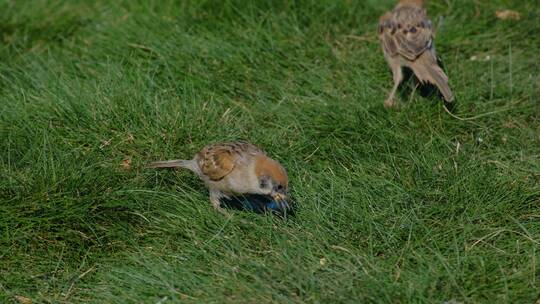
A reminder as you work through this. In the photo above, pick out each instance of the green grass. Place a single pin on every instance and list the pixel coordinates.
(408, 205)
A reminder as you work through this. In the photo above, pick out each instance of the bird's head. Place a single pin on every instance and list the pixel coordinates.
(272, 179)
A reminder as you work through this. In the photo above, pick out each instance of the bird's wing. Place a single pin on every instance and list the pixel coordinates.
(406, 31)
(386, 34)
(218, 160)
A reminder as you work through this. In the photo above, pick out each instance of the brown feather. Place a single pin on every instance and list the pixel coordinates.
(175, 163)
(426, 69)
(271, 168)
(218, 160)
(218, 165)
(166, 164)
(386, 32)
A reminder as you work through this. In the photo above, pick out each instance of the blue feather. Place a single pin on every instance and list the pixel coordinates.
(256, 203)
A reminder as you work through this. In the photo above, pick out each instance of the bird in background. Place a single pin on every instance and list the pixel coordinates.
(406, 36)
(235, 168)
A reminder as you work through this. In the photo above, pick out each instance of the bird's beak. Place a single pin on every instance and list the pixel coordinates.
(281, 200)
(278, 197)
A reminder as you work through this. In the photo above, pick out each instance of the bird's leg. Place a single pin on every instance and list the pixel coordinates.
(397, 74)
(215, 195)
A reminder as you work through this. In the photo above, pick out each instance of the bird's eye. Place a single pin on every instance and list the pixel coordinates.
(279, 187)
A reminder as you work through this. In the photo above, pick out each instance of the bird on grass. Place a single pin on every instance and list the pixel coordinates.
(406, 36)
(236, 168)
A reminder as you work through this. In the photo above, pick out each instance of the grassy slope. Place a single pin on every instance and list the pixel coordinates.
(391, 210)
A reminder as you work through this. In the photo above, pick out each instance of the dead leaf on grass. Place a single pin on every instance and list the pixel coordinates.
(23, 300)
(126, 164)
(508, 15)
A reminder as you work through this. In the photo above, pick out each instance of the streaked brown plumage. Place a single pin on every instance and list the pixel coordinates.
(234, 168)
(406, 36)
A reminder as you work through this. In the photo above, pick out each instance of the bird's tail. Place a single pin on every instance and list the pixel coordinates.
(426, 68)
(175, 163)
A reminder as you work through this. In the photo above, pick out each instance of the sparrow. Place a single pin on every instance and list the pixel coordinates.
(234, 169)
(406, 36)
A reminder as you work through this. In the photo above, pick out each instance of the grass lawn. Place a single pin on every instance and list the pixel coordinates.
(395, 206)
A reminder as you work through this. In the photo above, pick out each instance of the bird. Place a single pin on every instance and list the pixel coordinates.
(235, 168)
(406, 36)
